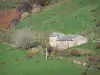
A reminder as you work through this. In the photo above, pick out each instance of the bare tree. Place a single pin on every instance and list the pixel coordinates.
(23, 38)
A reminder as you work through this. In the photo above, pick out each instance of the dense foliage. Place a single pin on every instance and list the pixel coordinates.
(7, 4)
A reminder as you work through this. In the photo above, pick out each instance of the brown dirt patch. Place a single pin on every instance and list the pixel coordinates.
(6, 17)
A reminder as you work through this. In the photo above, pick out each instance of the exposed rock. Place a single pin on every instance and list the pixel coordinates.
(60, 57)
(36, 8)
(24, 15)
(78, 62)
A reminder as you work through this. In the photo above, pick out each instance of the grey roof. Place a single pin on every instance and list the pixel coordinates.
(68, 37)
(63, 37)
(56, 34)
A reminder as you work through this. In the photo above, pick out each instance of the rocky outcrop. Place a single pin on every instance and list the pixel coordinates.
(36, 8)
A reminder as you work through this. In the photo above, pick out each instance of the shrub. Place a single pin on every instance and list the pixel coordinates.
(97, 45)
(29, 55)
(97, 23)
(43, 2)
(24, 6)
(94, 61)
(54, 52)
(75, 53)
(53, 1)
(63, 53)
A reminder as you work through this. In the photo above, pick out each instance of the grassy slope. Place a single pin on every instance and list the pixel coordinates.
(30, 67)
(44, 67)
(61, 17)
(89, 46)
(63, 14)
(4, 48)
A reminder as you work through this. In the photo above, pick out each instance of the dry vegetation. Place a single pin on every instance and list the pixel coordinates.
(97, 45)
(94, 61)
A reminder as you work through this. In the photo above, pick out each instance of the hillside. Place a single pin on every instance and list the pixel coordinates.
(68, 16)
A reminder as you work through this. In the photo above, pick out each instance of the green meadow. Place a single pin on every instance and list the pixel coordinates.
(67, 16)
(38, 65)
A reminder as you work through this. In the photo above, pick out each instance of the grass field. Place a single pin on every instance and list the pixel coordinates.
(67, 16)
(89, 46)
(38, 65)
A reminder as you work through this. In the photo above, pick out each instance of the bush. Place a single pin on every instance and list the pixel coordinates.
(42, 2)
(97, 23)
(29, 55)
(53, 1)
(63, 53)
(94, 61)
(54, 52)
(97, 45)
(75, 53)
(23, 38)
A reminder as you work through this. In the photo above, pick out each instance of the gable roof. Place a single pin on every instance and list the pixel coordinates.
(68, 37)
(63, 37)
